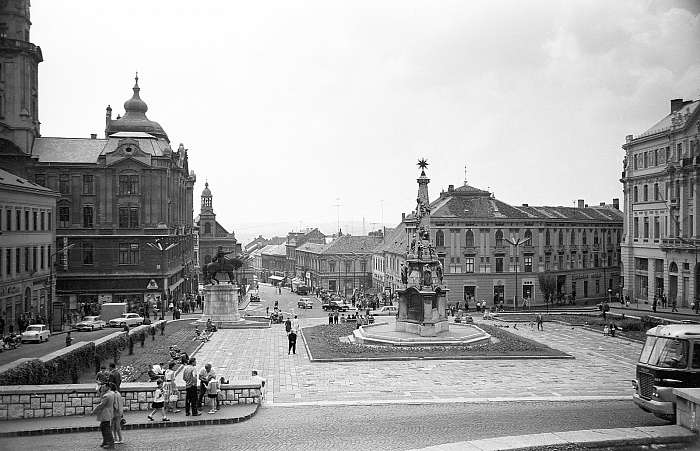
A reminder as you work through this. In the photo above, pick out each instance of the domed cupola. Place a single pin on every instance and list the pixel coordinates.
(134, 119)
(207, 206)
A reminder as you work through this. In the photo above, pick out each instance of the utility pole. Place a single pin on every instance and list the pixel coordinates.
(337, 206)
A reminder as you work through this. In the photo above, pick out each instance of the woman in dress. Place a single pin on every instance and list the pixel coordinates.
(170, 389)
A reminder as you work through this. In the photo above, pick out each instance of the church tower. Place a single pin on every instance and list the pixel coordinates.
(19, 83)
(207, 217)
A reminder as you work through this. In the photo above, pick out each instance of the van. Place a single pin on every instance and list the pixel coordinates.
(669, 359)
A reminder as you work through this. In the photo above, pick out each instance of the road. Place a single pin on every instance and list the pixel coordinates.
(393, 427)
(287, 303)
(33, 350)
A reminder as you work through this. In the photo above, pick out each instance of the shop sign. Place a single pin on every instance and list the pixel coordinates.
(152, 285)
(104, 298)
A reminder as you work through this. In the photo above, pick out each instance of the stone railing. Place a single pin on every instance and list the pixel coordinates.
(34, 401)
(687, 408)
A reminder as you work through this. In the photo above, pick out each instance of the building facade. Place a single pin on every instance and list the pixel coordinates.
(296, 239)
(213, 235)
(577, 248)
(273, 260)
(27, 213)
(660, 177)
(387, 260)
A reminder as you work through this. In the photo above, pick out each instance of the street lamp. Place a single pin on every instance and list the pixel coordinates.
(51, 283)
(162, 248)
(517, 242)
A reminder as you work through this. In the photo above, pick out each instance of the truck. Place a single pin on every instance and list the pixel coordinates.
(112, 310)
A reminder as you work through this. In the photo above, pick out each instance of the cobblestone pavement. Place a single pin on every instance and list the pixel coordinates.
(603, 367)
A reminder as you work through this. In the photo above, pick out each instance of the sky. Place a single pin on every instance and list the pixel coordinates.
(291, 108)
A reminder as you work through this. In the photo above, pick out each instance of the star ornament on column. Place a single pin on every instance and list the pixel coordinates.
(422, 164)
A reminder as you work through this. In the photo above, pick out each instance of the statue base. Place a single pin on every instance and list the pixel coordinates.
(221, 307)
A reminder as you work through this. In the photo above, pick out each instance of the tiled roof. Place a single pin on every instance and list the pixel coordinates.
(275, 250)
(664, 124)
(394, 241)
(8, 179)
(348, 244)
(68, 150)
(313, 248)
(151, 145)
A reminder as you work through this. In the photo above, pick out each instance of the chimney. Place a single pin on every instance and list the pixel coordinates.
(93, 135)
(525, 205)
(629, 138)
(403, 216)
(450, 188)
(602, 204)
(616, 204)
(676, 104)
(581, 203)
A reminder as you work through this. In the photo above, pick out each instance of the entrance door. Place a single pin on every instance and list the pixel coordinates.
(528, 291)
(673, 287)
(332, 286)
(498, 294)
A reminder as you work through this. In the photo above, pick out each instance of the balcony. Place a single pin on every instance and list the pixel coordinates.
(21, 46)
(686, 244)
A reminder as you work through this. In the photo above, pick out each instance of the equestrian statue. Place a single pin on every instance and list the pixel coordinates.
(220, 263)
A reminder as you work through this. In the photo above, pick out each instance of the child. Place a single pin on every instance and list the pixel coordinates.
(159, 401)
(257, 379)
(213, 393)
(118, 414)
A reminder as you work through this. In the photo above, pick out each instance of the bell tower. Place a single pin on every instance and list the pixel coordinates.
(19, 81)
(207, 217)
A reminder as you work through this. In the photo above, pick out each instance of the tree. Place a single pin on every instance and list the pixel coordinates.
(548, 285)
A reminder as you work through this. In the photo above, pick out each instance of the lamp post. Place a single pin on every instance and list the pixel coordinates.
(162, 248)
(516, 243)
(51, 283)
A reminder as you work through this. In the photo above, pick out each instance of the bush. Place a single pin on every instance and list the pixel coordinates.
(64, 368)
(110, 349)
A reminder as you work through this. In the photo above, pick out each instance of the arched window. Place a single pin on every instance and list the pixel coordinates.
(528, 238)
(573, 237)
(561, 238)
(547, 239)
(584, 238)
(618, 237)
(636, 194)
(673, 267)
(499, 238)
(470, 239)
(440, 238)
(207, 229)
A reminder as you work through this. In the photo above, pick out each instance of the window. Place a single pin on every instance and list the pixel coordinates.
(43, 261)
(128, 184)
(573, 237)
(636, 194)
(547, 238)
(469, 263)
(63, 184)
(584, 238)
(646, 227)
(8, 261)
(470, 239)
(26, 220)
(528, 263)
(499, 238)
(439, 238)
(595, 238)
(668, 153)
(128, 253)
(40, 179)
(561, 238)
(636, 227)
(43, 220)
(646, 159)
(18, 220)
(528, 238)
(18, 261)
(363, 266)
(656, 227)
(8, 219)
(348, 266)
(331, 266)
(49, 221)
(636, 162)
(499, 264)
(63, 216)
(88, 184)
(656, 157)
(129, 218)
(547, 262)
(656, 191)
(35, 259)
(35, 217)
(88, 254)
(646, 193)
(207, 229)
(455, 265)
(88, 217)
(26, 259)
(596, 260)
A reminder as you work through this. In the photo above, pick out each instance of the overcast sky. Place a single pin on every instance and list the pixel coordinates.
(287, 106)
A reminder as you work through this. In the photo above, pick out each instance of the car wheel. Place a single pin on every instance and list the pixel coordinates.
(47, 338)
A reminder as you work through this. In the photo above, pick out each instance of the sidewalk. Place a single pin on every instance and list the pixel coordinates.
(134, 420)
(592, 438)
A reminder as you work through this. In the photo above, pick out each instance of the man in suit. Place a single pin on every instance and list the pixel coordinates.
(105, 413)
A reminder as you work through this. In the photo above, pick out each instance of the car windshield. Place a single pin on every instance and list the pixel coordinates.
(665, 352)
(34, 328)
(90, 318)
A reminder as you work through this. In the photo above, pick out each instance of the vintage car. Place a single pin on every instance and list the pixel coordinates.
(91, 323)
(130, 319)
(36, 332)
(303, 290)
(387, 310)
(254, 296)
(305, 303)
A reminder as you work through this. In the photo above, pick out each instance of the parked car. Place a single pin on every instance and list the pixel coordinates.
(387, 310)
(254, 296)
(91, 323)
(336, 304)
(130, 319)
(36, 332)
(305, 303)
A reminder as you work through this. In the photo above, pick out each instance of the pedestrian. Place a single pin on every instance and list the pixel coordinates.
(267, 311)
(288, 325)
(158, 402)
(335, 317)
(69, 339)
(653, 304)
(330, 318)
(204, 378)
(674, 305)
(257, 379)
(114, 376)
(188, 375)
(105, 412)
(171, 394)
(102, 377)
(213, 393)
(2, 326)
(540, 322)
(296, 325)
(292, 338)
(118, 415)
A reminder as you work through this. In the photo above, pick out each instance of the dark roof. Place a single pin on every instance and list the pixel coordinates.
(348, 244)
(683, 114)
(68, 150)
(10, 180)
(395, 240)
(313, 248)
(275, 250)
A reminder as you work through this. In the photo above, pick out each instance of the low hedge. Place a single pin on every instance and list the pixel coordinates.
(61, 367)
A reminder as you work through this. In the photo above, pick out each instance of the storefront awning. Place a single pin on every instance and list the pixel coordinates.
(277, 278)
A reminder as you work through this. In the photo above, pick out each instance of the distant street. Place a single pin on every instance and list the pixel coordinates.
(389, 427)
(287, 303)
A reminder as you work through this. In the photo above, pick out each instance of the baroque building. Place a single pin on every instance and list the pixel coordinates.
(213, 235)
(124, 209)
(660, 177)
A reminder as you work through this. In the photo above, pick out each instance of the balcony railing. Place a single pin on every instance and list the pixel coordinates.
(679, 243)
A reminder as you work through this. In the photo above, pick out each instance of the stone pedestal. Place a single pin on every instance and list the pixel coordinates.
(221, 305)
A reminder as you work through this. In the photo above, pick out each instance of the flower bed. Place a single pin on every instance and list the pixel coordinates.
(324, 343)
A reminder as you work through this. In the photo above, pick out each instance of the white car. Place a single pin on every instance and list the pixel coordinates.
(305, 303)
(387, 310)
(130, 319)
(36, 332)
(91, 323)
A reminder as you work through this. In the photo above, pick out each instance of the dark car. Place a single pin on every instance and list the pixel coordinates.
(303, 290)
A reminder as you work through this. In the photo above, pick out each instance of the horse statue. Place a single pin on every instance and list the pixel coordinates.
(226, 265)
